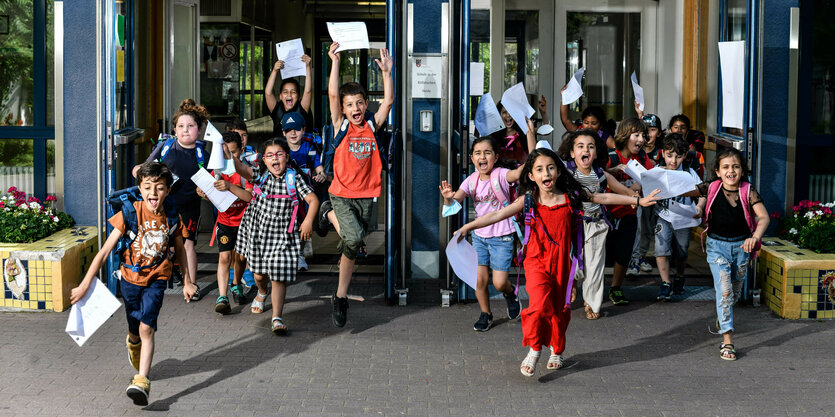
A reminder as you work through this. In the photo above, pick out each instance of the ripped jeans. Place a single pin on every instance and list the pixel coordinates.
(729, 266)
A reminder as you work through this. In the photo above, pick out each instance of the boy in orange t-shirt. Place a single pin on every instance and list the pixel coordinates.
(143, 286)
(357, 167)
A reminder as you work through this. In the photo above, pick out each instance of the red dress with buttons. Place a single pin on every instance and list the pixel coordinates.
(547, 268)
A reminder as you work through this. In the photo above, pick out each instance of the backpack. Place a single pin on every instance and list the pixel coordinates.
(576, 244)
(331, 141)
(314, 140)
(504, 200)
(750, 218)
(122, 200)
(290, 179)
(169, 143)
(603, 185)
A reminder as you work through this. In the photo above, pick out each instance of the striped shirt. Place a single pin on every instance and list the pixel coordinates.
(592, 185)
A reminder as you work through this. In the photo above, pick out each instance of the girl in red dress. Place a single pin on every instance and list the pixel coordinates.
(555, 202)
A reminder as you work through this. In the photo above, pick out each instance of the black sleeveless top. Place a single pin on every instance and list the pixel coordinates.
(279, 112)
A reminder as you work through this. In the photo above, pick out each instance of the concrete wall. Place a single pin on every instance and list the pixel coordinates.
(80, 111)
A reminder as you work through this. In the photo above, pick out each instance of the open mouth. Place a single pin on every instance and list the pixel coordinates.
(153, 201)
(585, 159)
(276, 167)
(288, 103)
(547, 183)
(482, 166)
(356, 117)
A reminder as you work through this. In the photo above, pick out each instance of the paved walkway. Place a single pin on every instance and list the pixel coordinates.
(646, 359)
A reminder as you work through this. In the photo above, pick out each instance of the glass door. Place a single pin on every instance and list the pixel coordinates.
(180, 74)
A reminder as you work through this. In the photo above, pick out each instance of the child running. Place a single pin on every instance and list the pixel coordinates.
(736, 222)
(489, 187)
(270, 236)
(226, 227)
(646, 218)
(143, 289)
(354, 158)
(554, 199)
(672, 241)
(580, 149)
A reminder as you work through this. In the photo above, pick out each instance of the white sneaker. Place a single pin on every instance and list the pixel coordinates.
(633, 269)
(302, 264)
(645, 266)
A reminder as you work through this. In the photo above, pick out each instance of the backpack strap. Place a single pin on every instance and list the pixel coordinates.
(576, 255)
(166, 146)
(520, 255)
(504, 201)
(712, 191)
(290, 180)
(198, 150)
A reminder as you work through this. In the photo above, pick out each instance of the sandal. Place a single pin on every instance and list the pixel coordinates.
(727, 351)
(530, 363)
(590, 314)
(278, 327)
(555, 362)
(258, 306)
(222, 305)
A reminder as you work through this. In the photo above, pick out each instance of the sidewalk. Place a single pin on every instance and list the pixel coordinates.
(644, 359)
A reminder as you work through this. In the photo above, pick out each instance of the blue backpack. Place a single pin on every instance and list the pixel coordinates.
(122, 200)
(290, 178)
(169, 143)
(332, 141)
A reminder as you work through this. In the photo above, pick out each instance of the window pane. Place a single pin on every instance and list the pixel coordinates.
(17, 66)
(823, 70)
(219, 75)
(50, 167)
(17, 165)
(50, 66)
(521, 50)
(735, 27)
(480, 49)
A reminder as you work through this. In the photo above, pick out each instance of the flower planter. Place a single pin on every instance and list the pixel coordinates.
(794, 281)
(39, 275)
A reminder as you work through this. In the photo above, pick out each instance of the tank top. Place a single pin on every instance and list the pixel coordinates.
(357, 167)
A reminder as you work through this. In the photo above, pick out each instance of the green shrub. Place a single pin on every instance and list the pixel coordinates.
(811, 225)
(25, 220)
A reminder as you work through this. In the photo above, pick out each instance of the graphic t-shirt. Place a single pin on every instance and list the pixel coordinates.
(149, 245)
(486, 201)
(357, 167)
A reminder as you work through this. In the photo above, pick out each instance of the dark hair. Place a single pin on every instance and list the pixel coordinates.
(725, 152)
(564, 182)
(625, 129)
(500, 107)
(232, 137)
(351, 89)
(290, 81)
(595, 111)
(154, 170)
(235, 124)
(679, 118)
(281, 142)
(676, 143)
(501, 163)
(567, 146)
(189, 108)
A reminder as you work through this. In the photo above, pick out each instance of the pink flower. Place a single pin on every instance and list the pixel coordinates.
(775, 215)
(50, 198)
(33, 199)
(12, 189)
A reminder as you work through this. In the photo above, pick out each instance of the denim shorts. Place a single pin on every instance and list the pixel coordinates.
(495, 252)
(142, 304)
(671, 242)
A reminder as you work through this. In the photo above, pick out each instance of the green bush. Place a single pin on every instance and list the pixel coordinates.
(25, 220)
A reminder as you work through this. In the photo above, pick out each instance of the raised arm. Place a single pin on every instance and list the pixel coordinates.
(269, 94)
(531, 135)
(308, 84)
(449, 195)
(385, 63)
(492, 217)
(566, 121)
(543, 110)
(333, 87)
(514, 175)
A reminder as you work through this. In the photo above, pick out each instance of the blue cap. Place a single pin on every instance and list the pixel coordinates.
(292, 121)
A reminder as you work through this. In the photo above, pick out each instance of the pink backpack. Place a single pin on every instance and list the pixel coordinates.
(750, 218)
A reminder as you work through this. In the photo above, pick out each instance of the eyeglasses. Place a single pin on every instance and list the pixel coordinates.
(276, 155)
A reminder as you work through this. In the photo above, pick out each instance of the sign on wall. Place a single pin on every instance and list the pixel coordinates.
(428, 76)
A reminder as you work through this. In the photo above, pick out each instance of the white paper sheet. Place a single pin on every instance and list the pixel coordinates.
(476, 78)
(212, 134)
(349, 35)
(732, 68)
(515, 101)
(487, 117)
(206, 183)
(463, 260)
(87, 315)
(291, 53)
(216, 159)
(634, 170)
(681, 215)
(574, 89)
(639, 92)
(544, 130)
(671, 183)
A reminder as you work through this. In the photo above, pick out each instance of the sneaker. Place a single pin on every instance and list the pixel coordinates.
(222, 305)
(633, 269)
(134, 350)
(197, 295)
(616, 296)
(139, 389)
(678, 285)
(340, 311)
(302, 263)
(324, 224)
(665, 291)
(484, 322)
(238, 294)
(514, 308)
(644, 265)
(307, 251)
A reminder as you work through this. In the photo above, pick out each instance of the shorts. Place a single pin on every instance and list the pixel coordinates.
(142, 304)
(190, 216)
(623, 238)
(226, 237)
(354, 217)
(495, 252)
(671, 242)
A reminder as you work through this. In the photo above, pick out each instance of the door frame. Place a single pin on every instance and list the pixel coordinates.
(168, 107)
